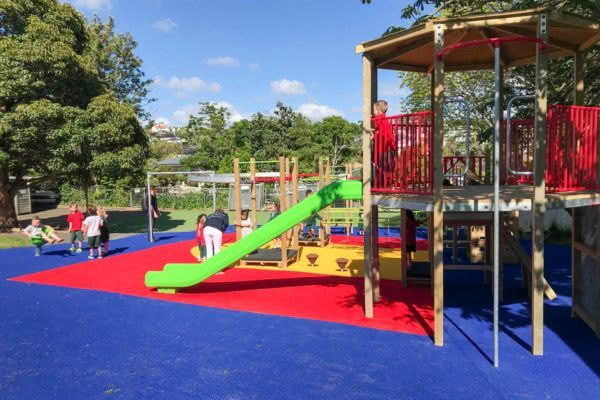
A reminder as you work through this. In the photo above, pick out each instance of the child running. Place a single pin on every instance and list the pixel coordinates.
(75, 220)
(245, 224)
(200, 237)
(91, 228)
(104, 232)
(40, 234)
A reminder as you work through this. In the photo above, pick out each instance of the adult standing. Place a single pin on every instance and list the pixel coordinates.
(155, 213)
(216, 224)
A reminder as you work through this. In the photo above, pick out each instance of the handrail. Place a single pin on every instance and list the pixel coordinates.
(467, 139)
(508, 135)
(496, 42)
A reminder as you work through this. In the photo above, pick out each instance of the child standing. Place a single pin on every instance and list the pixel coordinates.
(104, 232)
(387, 146)
(91, 228)
(75, 220)
(275, 211)
(411, 236)
(245, 224)
(200, 237)
(40, 234)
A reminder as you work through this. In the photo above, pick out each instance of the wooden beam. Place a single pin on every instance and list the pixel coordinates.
(369, 96)
(485, 35)
(438, 194)
(576, 21)
(283, 208)
(589, 42)
(237, 193)
(579, 75)
(539, 193)
(588, 251)
(453, 25)
(394, 38)
(404, 67)
(525, 260)
(532, 59)
(379, 62)
(327, 182)
(375, 247)
(253, 191)
(468, 67)
(403, 252)
(295, 231)
(527, 33)
(460, 35)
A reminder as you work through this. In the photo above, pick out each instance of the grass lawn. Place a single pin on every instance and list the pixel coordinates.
(9, 240)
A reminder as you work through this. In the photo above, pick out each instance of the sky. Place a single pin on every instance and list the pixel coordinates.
(248, 54)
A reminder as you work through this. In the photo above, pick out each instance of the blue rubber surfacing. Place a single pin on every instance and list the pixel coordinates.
(77, 344)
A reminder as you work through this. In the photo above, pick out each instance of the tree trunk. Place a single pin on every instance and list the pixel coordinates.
(8, 214)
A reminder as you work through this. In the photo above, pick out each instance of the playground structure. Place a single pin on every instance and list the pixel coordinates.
(548, 161)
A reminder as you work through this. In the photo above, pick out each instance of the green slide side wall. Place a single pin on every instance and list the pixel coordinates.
(191, 274)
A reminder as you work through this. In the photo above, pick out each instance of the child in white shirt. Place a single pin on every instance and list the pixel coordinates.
(91, 228)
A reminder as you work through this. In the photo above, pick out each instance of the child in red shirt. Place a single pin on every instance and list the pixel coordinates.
(75, 220)
(387, 148)
(200, 237)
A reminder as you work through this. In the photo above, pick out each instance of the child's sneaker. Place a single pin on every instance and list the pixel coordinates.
(79, 250)
(72, 249)
(38, 252)
(91, 257)
(100, 256)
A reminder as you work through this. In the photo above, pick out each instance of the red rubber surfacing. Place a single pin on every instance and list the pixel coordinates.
(283, 293)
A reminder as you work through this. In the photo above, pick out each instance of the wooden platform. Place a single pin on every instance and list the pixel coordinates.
(269, 257)
(479, 198)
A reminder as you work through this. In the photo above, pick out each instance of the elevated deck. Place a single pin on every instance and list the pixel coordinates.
(479, 198)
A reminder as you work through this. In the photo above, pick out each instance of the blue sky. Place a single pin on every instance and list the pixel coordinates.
(248, 54)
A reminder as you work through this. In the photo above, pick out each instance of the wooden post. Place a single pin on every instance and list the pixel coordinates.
(327, 182)
(403, 252)
(237, 194)
(375, 247)
(430, 247)
(438, 186)
(295, 231)
(369, 96)
(579, 74)
(539, 195)
(575, 260)
(253, 191)
(282, 208)
(321, 186)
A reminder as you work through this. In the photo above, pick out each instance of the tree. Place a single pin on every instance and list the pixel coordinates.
(334, 137)
(120, 70)
(56, 119)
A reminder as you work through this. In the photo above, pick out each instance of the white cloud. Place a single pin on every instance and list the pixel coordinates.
(254, 66)
(183, 115)
(286, 86)
(185, 86)
(214, 87)
(93, 4)
(163, 120)
(318, 111)
(223, 62)
(165, 25)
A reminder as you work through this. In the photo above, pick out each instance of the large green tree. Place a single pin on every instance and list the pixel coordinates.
(57, 118)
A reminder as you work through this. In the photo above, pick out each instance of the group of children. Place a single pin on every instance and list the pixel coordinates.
(94, 226)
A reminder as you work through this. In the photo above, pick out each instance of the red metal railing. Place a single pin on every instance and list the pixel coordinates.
(456, 165)
(571, 149)
(402, 154)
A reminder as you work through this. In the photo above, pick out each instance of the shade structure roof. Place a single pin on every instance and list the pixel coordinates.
(412, 49)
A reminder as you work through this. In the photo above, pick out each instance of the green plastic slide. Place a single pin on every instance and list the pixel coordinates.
(175, 276)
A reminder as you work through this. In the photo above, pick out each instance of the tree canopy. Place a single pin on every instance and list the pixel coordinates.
(60, 116)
